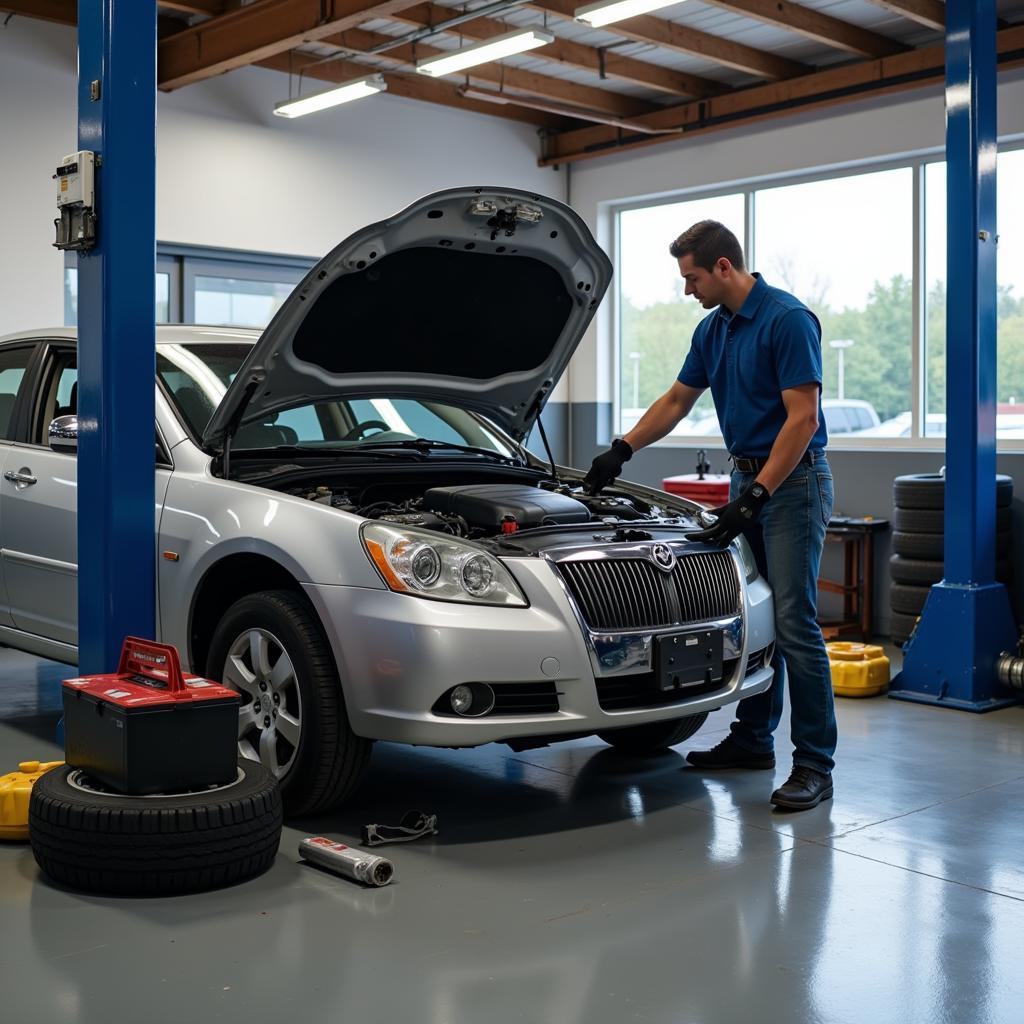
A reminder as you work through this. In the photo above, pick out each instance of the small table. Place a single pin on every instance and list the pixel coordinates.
(857, 535)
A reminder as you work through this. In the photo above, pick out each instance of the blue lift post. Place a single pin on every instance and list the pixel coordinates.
(967, 620)
(116, 331)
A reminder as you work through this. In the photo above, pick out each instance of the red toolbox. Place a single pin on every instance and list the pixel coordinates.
(148, 729)
(711, 489)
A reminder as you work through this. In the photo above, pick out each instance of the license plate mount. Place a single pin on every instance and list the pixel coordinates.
(683, 660)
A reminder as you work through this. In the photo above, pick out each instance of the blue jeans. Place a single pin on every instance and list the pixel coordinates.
(787, 542)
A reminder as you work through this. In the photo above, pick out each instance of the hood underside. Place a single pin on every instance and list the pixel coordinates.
(476, 297)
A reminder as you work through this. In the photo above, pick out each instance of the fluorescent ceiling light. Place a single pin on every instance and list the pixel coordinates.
(519, 41)
(608, 11)
(322, 100)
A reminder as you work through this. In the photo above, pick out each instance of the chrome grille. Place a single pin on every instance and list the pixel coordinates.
(632, 593)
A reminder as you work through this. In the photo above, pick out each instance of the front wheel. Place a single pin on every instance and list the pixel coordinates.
(654, 737)
(269, 646)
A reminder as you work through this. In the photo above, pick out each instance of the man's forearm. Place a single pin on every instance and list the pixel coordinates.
(659, 419)
(787, 451)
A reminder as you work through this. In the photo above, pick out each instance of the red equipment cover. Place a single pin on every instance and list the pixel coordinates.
(148, 674)
(712, 490)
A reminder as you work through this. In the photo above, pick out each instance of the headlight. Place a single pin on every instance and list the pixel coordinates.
(433, 565)
(749, 562)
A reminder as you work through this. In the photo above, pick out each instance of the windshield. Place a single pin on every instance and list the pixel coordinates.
(196, 377)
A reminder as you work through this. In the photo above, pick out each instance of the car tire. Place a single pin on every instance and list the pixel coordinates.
(88, 838)
(932, 520)
(916, 571)
(908, 599)
(901, 626)
(654, 737)
(931, 546)
(302, 733)
(921, 572)
(928, 491)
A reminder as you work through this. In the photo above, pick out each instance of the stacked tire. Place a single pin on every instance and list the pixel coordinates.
(918, 544)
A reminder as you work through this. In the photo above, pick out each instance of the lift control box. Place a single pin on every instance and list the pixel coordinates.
(76, 201)
(147, 728)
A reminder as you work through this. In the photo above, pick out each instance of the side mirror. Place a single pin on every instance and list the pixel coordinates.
(63, 435)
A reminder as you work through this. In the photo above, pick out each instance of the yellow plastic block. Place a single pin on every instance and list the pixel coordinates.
(15, 790)
(858, 670)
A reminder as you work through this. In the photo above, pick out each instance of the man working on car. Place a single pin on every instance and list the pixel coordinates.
(759, 351)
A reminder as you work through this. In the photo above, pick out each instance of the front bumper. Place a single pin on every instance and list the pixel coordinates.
(398, 654)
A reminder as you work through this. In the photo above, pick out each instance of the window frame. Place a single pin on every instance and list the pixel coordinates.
(184, 263)
(610, 214)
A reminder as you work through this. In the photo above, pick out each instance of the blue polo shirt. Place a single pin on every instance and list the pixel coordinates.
(748, 358)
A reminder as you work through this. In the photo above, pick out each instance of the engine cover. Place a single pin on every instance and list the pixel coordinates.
(487, 505)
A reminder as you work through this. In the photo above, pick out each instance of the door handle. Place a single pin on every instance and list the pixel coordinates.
(24, 478)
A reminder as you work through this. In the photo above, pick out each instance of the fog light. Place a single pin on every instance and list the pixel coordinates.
(471, 700)
(462, 700)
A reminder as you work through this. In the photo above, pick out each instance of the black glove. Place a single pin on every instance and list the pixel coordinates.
(607, 466)
(734, 518)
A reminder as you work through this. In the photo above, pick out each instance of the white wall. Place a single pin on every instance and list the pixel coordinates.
(847, 134)
(230, 174)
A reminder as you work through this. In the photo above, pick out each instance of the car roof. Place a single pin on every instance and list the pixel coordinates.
(166, 334)
(850, 403)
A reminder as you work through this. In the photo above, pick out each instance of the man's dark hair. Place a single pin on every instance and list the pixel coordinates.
(707, 242)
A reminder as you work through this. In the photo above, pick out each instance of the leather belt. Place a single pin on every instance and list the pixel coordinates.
(746, 464)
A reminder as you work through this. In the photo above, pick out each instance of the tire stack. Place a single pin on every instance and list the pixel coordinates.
(918, 544)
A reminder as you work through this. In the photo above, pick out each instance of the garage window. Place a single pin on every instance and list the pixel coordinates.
(1010, 301)
(219, 287)
(866, 251)
(656, 321)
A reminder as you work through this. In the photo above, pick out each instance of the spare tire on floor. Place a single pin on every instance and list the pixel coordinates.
(86, 837)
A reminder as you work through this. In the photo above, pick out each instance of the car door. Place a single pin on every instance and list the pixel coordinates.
(15, 360)
(38, 500)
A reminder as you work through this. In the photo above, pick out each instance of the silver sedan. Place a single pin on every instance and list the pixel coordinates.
(352, 534)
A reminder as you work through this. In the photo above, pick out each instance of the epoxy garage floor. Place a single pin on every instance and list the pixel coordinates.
(572, 884)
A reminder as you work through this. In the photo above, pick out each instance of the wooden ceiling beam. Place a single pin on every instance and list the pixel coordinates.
(931, 13)
(210, 7)
(681, 39)
(65, 12)
(759, 104)
(822, 28)
(250, 34)
(61, 12)
(358, 41)
(571, 54)
(414, 87)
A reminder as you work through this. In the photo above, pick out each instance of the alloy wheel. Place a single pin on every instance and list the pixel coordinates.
(270, 715)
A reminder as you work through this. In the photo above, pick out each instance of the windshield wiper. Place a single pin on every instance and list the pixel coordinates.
(426, 444)
(296, 450)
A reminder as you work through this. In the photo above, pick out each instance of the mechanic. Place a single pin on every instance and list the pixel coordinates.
(759, 350)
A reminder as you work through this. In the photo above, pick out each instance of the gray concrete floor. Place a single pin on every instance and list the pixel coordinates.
(573, 885)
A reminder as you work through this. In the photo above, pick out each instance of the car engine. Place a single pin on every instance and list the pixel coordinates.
(486, 510)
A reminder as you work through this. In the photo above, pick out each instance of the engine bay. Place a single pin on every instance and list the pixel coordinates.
(483, 510)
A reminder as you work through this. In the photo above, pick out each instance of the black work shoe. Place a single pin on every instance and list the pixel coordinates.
(804, 788)
(729, 754)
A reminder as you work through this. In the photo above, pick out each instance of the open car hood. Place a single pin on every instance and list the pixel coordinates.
(476, 297)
